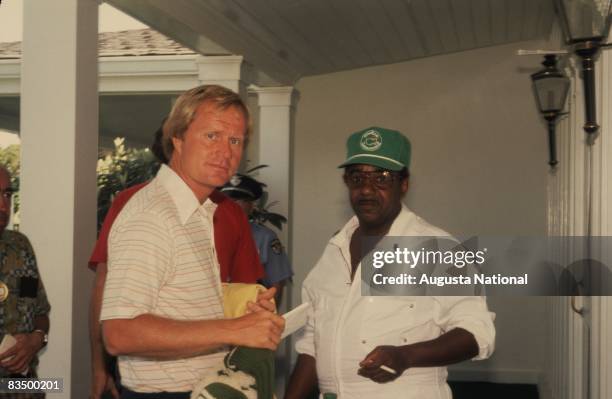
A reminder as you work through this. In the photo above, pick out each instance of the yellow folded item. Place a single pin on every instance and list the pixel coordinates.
(236, 296)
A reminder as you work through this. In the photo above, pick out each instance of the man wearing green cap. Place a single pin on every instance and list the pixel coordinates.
(352, 343)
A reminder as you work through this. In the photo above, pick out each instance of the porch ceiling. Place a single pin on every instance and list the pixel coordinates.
(289, 39)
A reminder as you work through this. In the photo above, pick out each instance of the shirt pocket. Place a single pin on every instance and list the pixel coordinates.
(396, 321)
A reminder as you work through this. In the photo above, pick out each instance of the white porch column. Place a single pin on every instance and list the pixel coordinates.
(601, 337)
(59, 130)
(226, 71)
(568, 216)
(274, 137)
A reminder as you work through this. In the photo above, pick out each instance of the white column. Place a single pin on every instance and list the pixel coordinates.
(568, 216)
(274, 137)
(59, 130)
(601, 338)
(226, 71)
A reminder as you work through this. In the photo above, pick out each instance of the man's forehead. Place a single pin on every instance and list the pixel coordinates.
(214, 113)
(364, 168)
(211, 107)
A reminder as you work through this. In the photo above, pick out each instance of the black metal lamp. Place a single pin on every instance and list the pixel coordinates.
(586, 24)
(550, 87)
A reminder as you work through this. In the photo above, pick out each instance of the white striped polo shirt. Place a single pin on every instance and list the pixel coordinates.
(162, 262)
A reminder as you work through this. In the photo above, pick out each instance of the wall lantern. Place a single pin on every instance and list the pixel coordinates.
(550, 88)
(585, 25)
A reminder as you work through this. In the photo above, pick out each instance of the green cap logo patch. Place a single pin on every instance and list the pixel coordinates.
(371, 140)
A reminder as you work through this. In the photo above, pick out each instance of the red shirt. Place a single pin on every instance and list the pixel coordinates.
(234, 243)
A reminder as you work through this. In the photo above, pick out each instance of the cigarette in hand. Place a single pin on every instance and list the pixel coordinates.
(387, 369)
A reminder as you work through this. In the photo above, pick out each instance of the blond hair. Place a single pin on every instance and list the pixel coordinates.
(184, 110)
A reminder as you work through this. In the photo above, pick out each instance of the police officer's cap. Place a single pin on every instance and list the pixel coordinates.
(243, 187)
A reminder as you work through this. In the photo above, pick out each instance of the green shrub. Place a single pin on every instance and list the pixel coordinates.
(119, 169)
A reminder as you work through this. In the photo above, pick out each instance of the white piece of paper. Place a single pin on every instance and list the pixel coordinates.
(295, 319)
(7, 342)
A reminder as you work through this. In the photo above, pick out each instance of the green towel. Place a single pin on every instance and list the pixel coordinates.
(221, 390)
(258, 363)
(225, 384)
(248, 374)
(247, 371)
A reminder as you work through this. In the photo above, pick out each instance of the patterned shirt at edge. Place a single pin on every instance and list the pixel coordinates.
(26, 294)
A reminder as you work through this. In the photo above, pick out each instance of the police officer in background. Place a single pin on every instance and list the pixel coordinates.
(245, 190)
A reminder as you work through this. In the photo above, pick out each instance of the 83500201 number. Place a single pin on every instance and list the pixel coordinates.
(31, 385)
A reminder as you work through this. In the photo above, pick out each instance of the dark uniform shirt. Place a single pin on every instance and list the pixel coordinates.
(26, 298)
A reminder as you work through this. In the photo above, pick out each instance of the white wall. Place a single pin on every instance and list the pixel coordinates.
(479, 165)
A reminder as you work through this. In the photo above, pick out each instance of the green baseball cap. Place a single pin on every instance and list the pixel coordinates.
(377, 146)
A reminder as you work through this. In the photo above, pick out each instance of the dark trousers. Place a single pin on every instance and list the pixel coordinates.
(127, 394)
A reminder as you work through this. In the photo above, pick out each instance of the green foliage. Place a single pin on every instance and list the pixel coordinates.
(120, 169)
(261, 211)
(9, 157)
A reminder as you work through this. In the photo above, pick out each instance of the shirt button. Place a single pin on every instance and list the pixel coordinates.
(363, 341)
(405, 340)
(411, 305)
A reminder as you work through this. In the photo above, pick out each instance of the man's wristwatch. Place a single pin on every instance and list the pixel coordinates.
(45, 336)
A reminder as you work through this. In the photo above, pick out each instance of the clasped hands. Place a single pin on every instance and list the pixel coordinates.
(262, 326)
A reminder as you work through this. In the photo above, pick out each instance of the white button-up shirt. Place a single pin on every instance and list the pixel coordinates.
(343, 327)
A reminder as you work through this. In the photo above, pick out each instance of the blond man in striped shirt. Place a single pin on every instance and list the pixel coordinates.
(162, 312)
